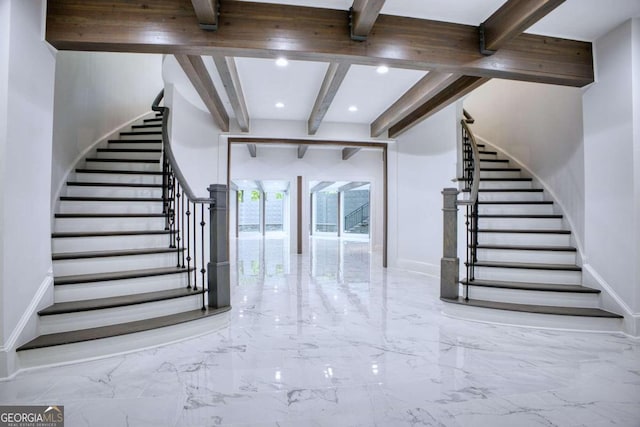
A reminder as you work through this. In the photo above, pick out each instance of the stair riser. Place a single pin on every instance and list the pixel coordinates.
(110, 207)
(96, 318)
(514, 296)
(126, 155)
(505, 184)
(499, 174)
(487, 156)
(89, 191)
(525, 239)
(515, 209)
(118, 178)
(108, 224)
(108, 243)
(136, 145)
(114, 288)
(528, 275)
(141, 136)
(521, 223)
(106, 264)
(533, 257)
(512, 196)
(129, 166)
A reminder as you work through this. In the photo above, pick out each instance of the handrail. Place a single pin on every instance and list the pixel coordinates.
(473, 196)
(168, 152)
(467, 117)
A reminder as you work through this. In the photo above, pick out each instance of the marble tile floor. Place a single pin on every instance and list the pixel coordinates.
(332, 339)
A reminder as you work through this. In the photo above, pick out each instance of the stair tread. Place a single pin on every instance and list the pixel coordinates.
(109, 199)
(500, 169)
(515, 202)
(117, 275)
(111, 160)
(120, 171)
(146, 132)
(539, 216)
(529, 248)
(530, 266)
(506, 179)
(494, 160)
(144, 126)
(487, 152)
(155, 119)
(511, 190)
(110, 215)
(525, 231)
(550, 287)
(74, 234)
(119, 301)
(111, 184)
(115, 253)
(119, 329)
(129, 150)
(133, 141)
(532, 308)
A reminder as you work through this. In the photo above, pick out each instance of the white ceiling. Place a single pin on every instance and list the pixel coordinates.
(297, 85)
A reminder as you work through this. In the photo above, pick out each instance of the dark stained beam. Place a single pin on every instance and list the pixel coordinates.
(231, 80)
(348, 152)
(351, 186)
(198, 74)
(456, 90)
(321, 186)
(426, 88)
(302, 150)
(207, 13)
(363, 15)
(253, 151)
(332, 81)
(512, 19)
(267, 30)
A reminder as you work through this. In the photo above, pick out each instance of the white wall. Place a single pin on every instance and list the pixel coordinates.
(96, 93)
(318, 164)
(611, 121)
(540, 126)
(25, 145)
(421, 164)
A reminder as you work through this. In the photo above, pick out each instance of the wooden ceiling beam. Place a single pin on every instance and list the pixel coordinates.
(265, 30)
(363, 15)
(302, 150)
(426, 88)
(198, 74)
(207, 13)
(456, 90)
(512, 19)
(231, 80)
(349, 152)
(253, 150)
(332, 81)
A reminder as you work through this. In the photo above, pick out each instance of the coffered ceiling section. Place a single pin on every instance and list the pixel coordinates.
(389, 64)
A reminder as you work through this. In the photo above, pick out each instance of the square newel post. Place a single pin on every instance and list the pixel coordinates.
(219, 282)
(450, 264)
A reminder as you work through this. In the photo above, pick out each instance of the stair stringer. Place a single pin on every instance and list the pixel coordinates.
(609, 299)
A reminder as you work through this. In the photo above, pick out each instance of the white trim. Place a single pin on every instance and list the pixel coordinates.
(81, 156)
(46, 284)
(632, 320)
(418, 267)
(548, 189)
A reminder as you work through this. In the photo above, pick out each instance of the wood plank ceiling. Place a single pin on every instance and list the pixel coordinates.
(458, 58)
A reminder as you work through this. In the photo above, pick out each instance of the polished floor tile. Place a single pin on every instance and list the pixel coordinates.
(333, 339)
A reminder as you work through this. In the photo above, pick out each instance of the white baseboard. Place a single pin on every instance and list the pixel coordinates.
(611, 300)
(8, 349)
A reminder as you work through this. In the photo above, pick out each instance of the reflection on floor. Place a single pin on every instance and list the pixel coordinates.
(335, 340)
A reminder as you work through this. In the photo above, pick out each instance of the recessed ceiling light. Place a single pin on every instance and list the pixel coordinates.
(282, 62)
(279, 105)
(353, 108)
(383, 69)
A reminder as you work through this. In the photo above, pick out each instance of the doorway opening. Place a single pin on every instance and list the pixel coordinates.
(340, 208)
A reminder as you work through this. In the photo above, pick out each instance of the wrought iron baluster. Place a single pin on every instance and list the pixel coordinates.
(195, 249)
(178, 218)
(188, 213)
(202, 270)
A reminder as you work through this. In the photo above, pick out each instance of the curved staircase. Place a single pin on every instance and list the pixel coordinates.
(526, 267)
(115, 272)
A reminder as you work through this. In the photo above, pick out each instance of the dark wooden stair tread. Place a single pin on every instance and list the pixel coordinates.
(129, 150)
(109, 215)
(528, 266)
(111, 184)
(500, 169)
(487, 152)
(505, 179)
(111, 160)
(146, 132)
(119, 301)
(515, 202)
(117, 253)
(134, 141)
(109, 199)
(532, 308)
(522, 231)
(117, 275)
(549, 287)
(146, 125)
(539, 216)
(75, 234)
(528, 248)
(155, 119)
(494, 160)
(118, 171)
(119, 329)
